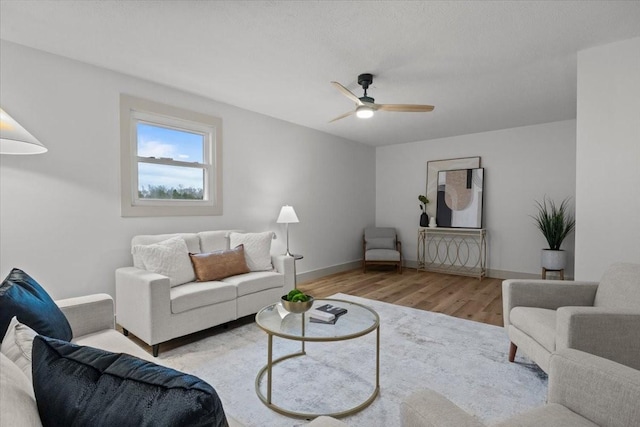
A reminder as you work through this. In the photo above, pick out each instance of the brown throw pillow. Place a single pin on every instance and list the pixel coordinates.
(219, 264)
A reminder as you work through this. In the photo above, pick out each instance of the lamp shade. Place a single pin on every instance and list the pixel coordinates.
(287, 215)
(14, 139)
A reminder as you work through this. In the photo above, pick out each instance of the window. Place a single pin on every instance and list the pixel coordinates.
(170, 160)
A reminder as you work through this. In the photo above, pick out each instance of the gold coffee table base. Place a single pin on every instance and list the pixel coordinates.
(355, 309)
(287, 412)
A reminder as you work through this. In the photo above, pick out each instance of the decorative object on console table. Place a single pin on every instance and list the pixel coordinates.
(435, 166)
(287, 216)
(555, 223)
(460, 194)
(453, 250)
(14, 139)
(424, 218)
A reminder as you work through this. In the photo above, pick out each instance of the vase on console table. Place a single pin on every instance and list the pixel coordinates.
(424, 219)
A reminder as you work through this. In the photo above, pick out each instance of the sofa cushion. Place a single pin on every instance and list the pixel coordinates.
(114, 341)
(619, 287)
(77, 385)
(17, 344)
(251, 283)
(191, 239)
(17, 401)
(218, 240)
(23, 297)
(257, 249)
(550, 414)
(538, 323)
(200, 294)
(169, 257)
(382, 255)
(219, 264)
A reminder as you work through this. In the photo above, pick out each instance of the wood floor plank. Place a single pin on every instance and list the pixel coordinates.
(464, 297)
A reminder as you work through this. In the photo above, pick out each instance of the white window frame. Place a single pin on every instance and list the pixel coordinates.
(136, 110)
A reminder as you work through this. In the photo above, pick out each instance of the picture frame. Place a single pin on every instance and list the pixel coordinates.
(460, 198)
(435, 166)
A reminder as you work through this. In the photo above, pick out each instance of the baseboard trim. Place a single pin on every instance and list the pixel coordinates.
(327, 271)
(339, 268)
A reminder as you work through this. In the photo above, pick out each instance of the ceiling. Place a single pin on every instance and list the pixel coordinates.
(485, 65)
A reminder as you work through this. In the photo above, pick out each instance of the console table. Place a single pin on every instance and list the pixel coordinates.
(460, 251)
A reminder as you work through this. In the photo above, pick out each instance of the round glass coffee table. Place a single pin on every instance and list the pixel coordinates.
(276, 321)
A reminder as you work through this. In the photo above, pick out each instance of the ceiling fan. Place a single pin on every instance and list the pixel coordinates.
(366, 106)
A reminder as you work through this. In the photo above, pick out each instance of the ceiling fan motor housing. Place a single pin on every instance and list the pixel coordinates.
(365, 80)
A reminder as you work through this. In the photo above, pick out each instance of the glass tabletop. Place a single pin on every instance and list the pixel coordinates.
(357, 321)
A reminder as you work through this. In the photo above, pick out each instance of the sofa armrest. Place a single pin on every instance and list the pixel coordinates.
(603, 391)
(88, 314)
(143, 299)
(427, 408)
(549, 294)
(285, 265)
(607, 332)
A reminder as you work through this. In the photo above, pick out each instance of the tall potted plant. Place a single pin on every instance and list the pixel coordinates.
(424, 218)
(555, 223)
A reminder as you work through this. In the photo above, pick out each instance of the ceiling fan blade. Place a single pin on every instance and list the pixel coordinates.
(408, 108)
(372, 105)
(343, 116)
(346, 92)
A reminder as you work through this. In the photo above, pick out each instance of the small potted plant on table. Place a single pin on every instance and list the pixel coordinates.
(424, 218)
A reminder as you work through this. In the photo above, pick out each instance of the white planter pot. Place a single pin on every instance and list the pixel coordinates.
(554, 260)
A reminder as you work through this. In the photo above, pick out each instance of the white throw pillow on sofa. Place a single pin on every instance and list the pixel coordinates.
(257, 249)
(18, 405)
(17, 344)
(169, 258)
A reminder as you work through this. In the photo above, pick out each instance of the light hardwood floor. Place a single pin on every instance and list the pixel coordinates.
(459, 296)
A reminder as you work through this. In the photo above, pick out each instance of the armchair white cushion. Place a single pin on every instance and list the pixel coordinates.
(542, 316)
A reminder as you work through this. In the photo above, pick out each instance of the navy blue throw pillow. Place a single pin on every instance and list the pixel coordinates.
(22, 296)
(85, 386)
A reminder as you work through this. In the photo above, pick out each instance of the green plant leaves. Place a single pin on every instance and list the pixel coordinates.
(555, 222)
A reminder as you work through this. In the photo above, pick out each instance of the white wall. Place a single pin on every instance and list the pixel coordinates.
(60, 211)
(521, 165)
(608, 157)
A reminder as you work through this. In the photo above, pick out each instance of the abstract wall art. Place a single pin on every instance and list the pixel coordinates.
(435, 166)
(459, 198)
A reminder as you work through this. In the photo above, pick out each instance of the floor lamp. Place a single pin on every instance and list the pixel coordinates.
(287, 216)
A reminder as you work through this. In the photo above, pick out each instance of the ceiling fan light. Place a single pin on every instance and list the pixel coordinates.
(364, 112)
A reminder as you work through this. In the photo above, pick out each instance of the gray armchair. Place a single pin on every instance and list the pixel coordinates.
(584, 390)
(380, 245)
(543, 316)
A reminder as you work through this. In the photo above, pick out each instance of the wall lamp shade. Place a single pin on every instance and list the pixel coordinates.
(287, 215)
(14, 139)
(364, 112)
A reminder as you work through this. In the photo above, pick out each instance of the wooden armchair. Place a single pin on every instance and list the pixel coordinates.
(380, 245)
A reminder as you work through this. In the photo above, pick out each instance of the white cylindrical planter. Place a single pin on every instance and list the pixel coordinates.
(554, 260)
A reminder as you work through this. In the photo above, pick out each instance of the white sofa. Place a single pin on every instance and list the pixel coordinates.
(155, 312)
(92, 322)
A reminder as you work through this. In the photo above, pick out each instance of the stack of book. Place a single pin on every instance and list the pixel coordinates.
(327, 313)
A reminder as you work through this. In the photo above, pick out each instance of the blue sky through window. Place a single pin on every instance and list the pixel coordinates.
(161, 142)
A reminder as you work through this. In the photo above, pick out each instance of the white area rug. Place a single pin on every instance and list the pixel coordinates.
(464, 360)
